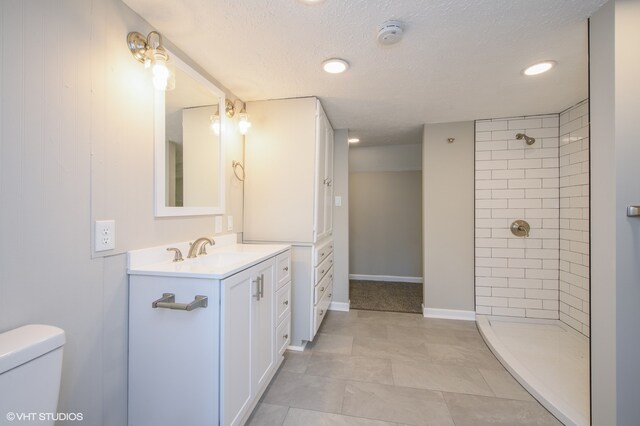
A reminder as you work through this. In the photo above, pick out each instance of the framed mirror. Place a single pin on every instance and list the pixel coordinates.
(189, 151)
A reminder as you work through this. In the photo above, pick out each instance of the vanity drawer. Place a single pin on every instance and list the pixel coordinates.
(320, 310)
(283, 268)
(283, 335)
(283, 302)
(323, 268)
(323, 286)
(322, 251)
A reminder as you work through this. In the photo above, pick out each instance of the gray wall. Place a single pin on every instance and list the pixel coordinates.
(615, 94)
(385, 204)
(448, 194)
(76, 144)
(341, 217)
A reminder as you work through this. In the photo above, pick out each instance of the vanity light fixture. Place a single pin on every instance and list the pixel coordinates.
(539, 68)
(230, 110)
(353, 140)
(150, 51)
(335, 65)
(215, 123)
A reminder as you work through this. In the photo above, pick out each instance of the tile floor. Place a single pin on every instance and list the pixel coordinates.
(385, 368)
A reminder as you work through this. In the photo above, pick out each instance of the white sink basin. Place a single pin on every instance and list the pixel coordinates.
(219, 263)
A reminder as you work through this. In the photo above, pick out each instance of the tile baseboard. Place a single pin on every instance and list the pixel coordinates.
(448, 314)
(339, 306)
(391, 278)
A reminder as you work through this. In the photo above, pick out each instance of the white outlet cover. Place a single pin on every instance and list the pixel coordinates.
(105, 235)
(218, 222)
(229, 223)
(338, 201)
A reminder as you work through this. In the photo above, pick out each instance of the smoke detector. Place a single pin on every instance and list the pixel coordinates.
(390, 32)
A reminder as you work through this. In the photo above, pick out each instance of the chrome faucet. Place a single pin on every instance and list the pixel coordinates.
(199, 247)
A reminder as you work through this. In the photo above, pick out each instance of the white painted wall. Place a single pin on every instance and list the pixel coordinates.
(385, 158)
(341, 217)
(448, 216)
(615, 270)
(76, 144)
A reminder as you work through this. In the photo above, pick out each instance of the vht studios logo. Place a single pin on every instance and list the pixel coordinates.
(32, 417)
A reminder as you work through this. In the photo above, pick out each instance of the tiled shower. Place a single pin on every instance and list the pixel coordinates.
(544, 275)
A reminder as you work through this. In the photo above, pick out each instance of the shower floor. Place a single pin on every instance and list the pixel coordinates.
(549, 358)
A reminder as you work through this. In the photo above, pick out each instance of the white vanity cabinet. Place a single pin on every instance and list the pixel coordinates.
(210, 365)
(288, 193)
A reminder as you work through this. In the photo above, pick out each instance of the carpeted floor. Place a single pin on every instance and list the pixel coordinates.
(385, 296)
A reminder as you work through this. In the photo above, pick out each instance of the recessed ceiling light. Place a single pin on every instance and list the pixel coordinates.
(354, 140)
(539, 68)
(335, 65)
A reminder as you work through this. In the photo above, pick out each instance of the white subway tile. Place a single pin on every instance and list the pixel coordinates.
(507, 213)
(508, 193)
(550, 284)
(492, 204)
(491, 262)
(483, 213)
(483, 291)
(503, 135)
(490, 145)
(541, 193)
(507, 174)
(492, 223)
(489, 125)
(551, 121)
(508, 292)
(483, 310)
(492, 165)
(541, 254)
(540, 313)
(533, 163)
(532, 293)
(525, 283)
(509, 312)
(491, 301)
(483, 155)
(551, 305)
(525, 303)
(570, 300)
(515, 253)
(492, 282)
(507, 272)
(524, 183)
(525, 203)
(483, 194)
(491, 184)
(550, 162)
(483, 233)
(483, 272)
(491, 242)
(551, 183)
(542, 213)
(511, 154)
(525, 124)
(551, 143)
(525, 263)
(542, 173)
(544, 274)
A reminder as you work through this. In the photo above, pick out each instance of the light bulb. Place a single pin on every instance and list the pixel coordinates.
(244, 123)
(161, 74)
(215, 124)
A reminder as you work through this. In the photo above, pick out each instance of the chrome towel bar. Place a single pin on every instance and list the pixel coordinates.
(168, 301)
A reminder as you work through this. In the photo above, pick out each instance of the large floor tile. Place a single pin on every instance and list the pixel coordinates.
(471, 410)
(463, 355)
(267, 415)
(298, 417)
(354, 328)
(296, 362)
(395, 404)
(440, 377)
(302, 391)
(332, 343)
(504, 385)
(359, 368)
(389, 318)
(383, 348)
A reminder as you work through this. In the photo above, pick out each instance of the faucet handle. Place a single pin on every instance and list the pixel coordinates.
(177, 257)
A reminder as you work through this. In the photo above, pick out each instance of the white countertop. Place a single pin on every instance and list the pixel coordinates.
(220, 261)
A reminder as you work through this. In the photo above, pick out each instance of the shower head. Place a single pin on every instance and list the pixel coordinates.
(527, 139)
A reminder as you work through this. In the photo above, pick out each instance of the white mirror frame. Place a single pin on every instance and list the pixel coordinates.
(161, 208)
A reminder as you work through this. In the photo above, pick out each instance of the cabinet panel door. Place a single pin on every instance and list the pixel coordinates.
(263, 327)
(328, 203)
(320, 193)
(237, 302)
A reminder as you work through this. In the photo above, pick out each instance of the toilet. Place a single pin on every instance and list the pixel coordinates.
(30, 371)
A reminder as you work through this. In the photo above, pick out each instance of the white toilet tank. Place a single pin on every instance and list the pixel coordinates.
(30, 370)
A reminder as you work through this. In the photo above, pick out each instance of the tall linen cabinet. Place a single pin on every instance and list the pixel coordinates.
(288, 192)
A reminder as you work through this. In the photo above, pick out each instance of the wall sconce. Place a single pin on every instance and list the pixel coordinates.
(230, 110)
(149, 51)
(215, 123)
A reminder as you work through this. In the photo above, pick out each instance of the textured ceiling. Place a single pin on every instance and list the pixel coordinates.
(458, 60)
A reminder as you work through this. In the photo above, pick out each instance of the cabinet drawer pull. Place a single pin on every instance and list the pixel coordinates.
(286, 268)
(261, 285)
(321, 312)
(322, 254)
(321, 288)
(285, 336)
(257, 281)
(330, 294)
(322, 272)
(168, 301)
(286, 302)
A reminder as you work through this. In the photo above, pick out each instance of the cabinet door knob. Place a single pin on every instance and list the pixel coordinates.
(286, 268)
(285, 337)
(321, 312)
(321, 288)
(322, 272)
(330, 295)
(286, 302)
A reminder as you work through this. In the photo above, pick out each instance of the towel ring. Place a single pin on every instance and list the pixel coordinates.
(235, 165)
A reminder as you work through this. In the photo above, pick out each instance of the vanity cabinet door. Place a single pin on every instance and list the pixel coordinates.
(263, 330)
(237, 301)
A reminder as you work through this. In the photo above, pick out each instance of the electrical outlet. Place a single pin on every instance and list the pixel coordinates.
(218, 226)
(338, 201)
(229, 223)
(105, 235)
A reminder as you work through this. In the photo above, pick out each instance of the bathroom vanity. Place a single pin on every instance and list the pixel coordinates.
(207, 334)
